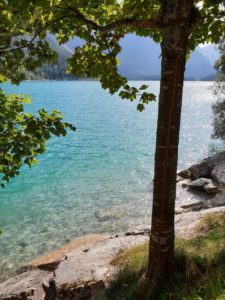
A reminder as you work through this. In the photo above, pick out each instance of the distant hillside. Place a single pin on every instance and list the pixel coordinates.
(210, 52)
(57, 71)
(140, 60)
(198, 66)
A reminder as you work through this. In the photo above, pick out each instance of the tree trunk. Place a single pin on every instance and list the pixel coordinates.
(176, 18)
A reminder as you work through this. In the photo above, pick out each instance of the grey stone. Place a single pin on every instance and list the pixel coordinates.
(216, 201)
(185, 223)
(212, 167)
(203, 184)
(190, 198)
(211, 188)
(202, 169)
(218, 173)
(28, 285)
(179, 178)
(94, 265)
(185, 174)
(199, 183)
(191, 205)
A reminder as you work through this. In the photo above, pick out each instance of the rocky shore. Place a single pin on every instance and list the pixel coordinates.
(202, 186)
(82, 269)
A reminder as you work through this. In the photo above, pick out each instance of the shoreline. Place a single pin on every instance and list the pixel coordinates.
(87, 270)
(185, 223)
(84, 264)
(193, 204)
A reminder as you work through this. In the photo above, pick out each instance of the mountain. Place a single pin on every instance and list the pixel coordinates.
(210, 52)
(140, 59)
(198, 66)
(58, 70)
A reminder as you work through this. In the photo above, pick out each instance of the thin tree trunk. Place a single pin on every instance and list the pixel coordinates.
(176, 18)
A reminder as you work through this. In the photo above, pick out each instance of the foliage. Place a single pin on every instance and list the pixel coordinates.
(219, 91)
(220, 64)
(22, 135)
(219, 111)
(110, 21)
(101, 24)
(199, 266)
(57, 70)
(20, 24)
(23, 48)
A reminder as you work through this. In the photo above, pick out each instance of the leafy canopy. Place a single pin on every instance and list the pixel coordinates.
(23, 136)
(101, 24)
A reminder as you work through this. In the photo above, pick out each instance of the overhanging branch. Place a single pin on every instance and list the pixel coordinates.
(144, 24)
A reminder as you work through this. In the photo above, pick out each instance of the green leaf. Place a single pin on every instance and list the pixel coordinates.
(140, 107)
(143, 87)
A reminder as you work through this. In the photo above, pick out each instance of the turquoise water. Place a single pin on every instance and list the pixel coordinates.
(107, 163)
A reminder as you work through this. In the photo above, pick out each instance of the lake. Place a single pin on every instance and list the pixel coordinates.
(106, 164)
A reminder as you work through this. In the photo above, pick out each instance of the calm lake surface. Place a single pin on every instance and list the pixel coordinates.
(107, 163)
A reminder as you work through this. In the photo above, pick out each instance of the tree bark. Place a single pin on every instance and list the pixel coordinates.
(176, 19)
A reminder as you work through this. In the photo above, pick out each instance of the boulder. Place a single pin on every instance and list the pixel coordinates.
(185, 174)
(202, 169)
(93, 265)
(218, 173)
(210, 188)
(83, 273)
(29, 285)
(212, 167)
(203, 184)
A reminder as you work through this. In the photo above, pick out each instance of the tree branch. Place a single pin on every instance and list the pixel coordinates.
(74, 13)
(148, 23)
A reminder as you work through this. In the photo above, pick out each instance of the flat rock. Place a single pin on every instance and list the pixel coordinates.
(97, 262)
(202, 184)
(186, 223)
(199, 183)
(190, 198)
(28, 285)
(193, 200)
(79, 243)
(191, 205)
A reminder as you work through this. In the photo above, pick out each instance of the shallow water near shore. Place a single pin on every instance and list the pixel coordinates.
(107, 165)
